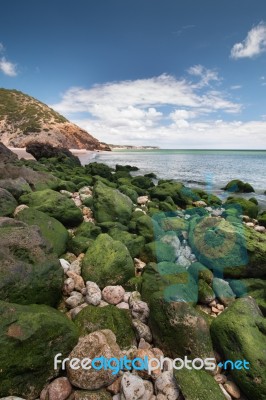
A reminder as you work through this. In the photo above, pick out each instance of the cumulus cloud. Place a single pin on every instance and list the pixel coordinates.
(206, 75)
(163, 111)
(8, 68)
(253, 45)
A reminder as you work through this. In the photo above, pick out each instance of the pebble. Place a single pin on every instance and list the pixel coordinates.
(19, 208)
(142, 200)
(77, 201)
(75, 266)
(134, 296)
(74, 311)
(113, 294)
(103, 304)
(182, 260)
(139, 264)
(166, 385)
(220, 307)
(142, 330)
(150, 354)
(226, 395)
(78, 280)
(260, 229)
(123, 305)
(140, 310)
(132, 387)
(74, 300)
(126, 297)
(250, 224)
(115, 387)
(94, 294)
(64, 264)
(66, 193)
(220, 378)
(199, 203)
(69, 286)
(143, 344)
(59, 389)
(232, 389)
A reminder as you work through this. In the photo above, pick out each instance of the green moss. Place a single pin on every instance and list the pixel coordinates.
(242, 206)
(237, 186)
(133, 242)
(92, 319)
(7, 203)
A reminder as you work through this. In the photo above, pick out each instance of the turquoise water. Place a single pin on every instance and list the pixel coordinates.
(209, 169)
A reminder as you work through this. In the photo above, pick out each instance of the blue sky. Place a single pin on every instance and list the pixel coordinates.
(178, 74)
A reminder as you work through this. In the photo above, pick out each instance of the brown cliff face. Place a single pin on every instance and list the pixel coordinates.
(24, 119)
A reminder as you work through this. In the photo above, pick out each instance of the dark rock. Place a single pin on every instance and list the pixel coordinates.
(7, 155)
(7, 203)
(46, 150)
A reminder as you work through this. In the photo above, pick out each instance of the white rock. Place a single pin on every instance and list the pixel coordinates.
(74, 300)
(186, 252)
(260, 229)
(126, 297)
(69, 286)
(94, 294)
(66, 193)
(113, 294)
(226, 395)
(75, 266)
(183, 261)
(134, 296)
(20, 208)
(140, 310)
(123, 305)
(78, 280)
(142, 200)
(139, 264)
(64, 264)
(142, 330)
(85, 190)
(199, 203)
(139, 209)
(132, 387)
(250, 224)
(77, 201)
(166, 385)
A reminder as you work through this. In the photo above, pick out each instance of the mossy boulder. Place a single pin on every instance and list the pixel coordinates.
(158, 251)
(110, 204)
(93, 318)
(79, 244)
(174, 224)
(198, 385)
(54, 204)
(88, 229)
(228, 248)
(178, 329)
(133, 242)
(206, 294)
(52, 230)
(199, 271)
(107, 262)
(242, 325)
(147, 228)
(29, 271)
(144, 182)
(30, 337)
(17, 187)
(100, 169)
(242, 206)
(165, 189)
(238, 186)
(107, 226)
(255, 288)
(172, 280)
(130, 192)
(7, 203)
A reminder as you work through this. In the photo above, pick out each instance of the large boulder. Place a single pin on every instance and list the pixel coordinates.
(17, 187)
(241, 206)
(238, 186)
(96, 344)
(107, 262)
(227, 248)
(29, 272)
(111, 205)
(242, 325)
(7, 155)
(92, 319)
(46, 150)
(30, 337)
(52, 230)
(133, 242)
(7, 203)
(180, 194)
(54, 204)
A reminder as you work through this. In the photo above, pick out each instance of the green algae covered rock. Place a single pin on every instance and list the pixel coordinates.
(198, 385)
(30, 337)
(158, 251)
(29, 271)
(93, 318)
(7, 203)
(52, 230)
(147, 227)
(130, 192)
(199, 271)
(111, 205)
(54, 204)
(239, 333)
(107, 262)
(238, 186)
(255, 288)
(242, 206)
(133, 242)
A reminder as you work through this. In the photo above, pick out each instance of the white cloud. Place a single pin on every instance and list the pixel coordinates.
(235, 87)
(253, 45)
(7, 67)
(163, 111)
(206, 75)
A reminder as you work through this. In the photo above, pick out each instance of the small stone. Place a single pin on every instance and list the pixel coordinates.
(142, 200)
(245, 218)
(140, 310)
(74, 311)
(215, 310)
(166, 384)
(260, 229)
(220, 378)
(113, 294)
(134, 296)
(86, 211)
(232, 389)
(132, 387)
(94, 294)
(64, 264)
(77, 201)
(182, 260)
(103, 304)
(213, 303)
(150, 354)
(115, 387)
(66, 193)
(226, 395)
(75, 266)
(69, 286)
(59, 389)
(250, 224)
(123, 305)
(142, 330)
(199, 203)
(19, 208)
(74, 300)
(139, 264)
(213, 315)
(78, 280)
(143, 345)
(126, 297)
(220, 307)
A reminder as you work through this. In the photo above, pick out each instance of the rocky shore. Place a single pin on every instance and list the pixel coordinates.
(96, 262)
